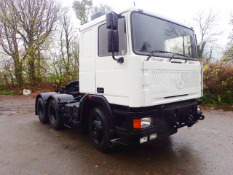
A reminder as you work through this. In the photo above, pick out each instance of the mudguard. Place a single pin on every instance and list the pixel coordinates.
(103, 104)
(59, 98)
(44, 96)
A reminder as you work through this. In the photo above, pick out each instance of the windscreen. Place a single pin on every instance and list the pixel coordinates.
(152, 34)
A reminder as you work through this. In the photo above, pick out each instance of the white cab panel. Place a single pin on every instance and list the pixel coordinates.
(113, 78)
(166, 82)
(87, 61)
(88, 82)
(135, 79)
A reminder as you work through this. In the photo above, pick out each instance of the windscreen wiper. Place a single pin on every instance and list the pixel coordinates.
(179, 55)
(156, 51)
(188, 57)
(173, 54)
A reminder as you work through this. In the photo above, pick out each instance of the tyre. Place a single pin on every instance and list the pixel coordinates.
(41, 111)
(55, 118)
(99, 130)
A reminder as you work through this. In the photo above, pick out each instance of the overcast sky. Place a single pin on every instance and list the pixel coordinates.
(179, 10)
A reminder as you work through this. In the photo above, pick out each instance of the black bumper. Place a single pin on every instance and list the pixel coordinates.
(166, 119)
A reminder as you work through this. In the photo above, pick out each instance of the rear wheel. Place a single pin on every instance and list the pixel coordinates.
(99, 130)
(55, 119)
(41, 111)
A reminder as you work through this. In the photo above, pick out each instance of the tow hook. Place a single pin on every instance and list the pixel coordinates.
(176, 125)
(190, 121)
(201, 117)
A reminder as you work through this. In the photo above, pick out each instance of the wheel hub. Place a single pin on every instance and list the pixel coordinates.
(53, 114)
(97, 130)
(40, 110)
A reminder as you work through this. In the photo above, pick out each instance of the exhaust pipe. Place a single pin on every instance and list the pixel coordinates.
(114, 142)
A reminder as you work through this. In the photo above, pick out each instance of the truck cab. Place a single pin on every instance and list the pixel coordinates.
(171, 74)
(139, 80)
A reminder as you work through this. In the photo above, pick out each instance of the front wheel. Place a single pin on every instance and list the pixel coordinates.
(55, 118)
(99, 129)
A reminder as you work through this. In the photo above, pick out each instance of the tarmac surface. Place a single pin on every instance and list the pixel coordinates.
(28, 147)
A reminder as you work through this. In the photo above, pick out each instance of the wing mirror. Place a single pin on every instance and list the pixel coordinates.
(113, 38)
(113, 41)
(111, 21)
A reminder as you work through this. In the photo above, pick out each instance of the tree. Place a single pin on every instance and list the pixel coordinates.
(10, 39)
(103, 8)
(37, 18)
(33, 21)
(84, 8)
(68, 36)
(75, 52)
(206, 23)
(228, 53)
(6, 72)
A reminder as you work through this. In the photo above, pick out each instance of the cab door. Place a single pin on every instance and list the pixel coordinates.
(111, 77)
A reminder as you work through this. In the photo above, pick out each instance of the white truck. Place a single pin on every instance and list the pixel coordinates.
(139, 81)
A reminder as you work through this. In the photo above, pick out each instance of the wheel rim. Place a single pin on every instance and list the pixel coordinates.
(53, 115)
(40, 110)
(97, 130)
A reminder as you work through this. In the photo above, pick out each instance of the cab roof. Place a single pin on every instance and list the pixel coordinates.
(103, 18)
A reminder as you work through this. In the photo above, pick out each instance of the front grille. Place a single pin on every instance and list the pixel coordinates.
(169, 81)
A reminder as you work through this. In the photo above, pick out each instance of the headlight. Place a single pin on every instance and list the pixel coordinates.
(142, 123)
(145, 122)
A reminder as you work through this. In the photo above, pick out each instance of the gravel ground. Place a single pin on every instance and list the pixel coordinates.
(29, 147)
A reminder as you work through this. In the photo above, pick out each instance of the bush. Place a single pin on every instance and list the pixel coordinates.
(7, 92)
(218, 83)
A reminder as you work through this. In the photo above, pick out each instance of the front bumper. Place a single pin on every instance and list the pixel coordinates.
(166, 120)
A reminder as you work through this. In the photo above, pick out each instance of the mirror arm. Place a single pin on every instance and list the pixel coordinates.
(119, 60)
(118, 15)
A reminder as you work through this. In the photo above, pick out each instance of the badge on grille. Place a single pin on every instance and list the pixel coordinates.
(180, 82)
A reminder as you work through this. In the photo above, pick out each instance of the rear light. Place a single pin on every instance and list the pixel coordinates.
(142, 123)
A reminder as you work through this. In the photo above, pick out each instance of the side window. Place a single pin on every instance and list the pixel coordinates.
(103, 39)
